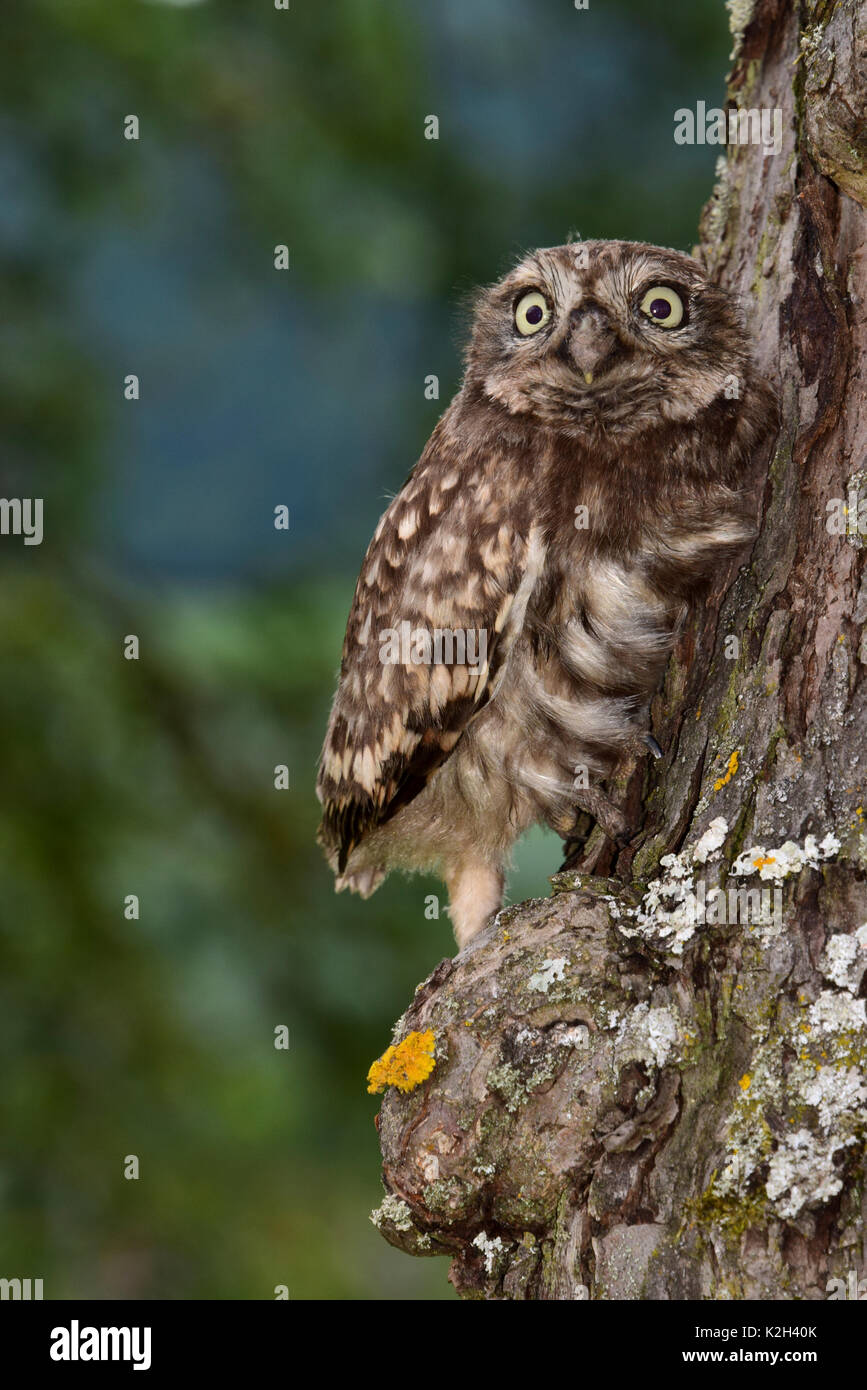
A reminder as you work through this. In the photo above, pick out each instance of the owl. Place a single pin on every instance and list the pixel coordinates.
(521, 595)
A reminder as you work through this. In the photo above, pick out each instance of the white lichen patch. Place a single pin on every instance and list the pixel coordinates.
(802, 1174)
(740, 14)
(394, 1210)
(676, 904)
(551, 971)
(484, 1170)
(677, 866)
(646, 1035)
(811, 40)
(490, 1247)
(777, 864)
(749, 1140)
(669, 911)
(824, 1089)
(844, 959)
(712, 840)
(837, 1095)
(837, 1013)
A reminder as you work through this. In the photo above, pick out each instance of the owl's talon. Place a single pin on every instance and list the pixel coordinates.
(653, 746)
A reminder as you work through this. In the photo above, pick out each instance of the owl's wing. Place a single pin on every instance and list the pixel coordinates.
(448, 557)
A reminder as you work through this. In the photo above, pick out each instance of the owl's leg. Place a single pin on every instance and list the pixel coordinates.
(475, 893)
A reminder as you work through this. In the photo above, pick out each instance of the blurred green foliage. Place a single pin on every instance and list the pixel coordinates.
(154, 1037)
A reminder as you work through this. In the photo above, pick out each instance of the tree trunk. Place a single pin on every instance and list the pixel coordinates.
(645, 1088)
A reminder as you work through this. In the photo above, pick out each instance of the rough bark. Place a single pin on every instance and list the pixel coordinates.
(627, 1102)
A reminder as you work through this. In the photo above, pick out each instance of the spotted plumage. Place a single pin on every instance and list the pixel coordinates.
(520, 597)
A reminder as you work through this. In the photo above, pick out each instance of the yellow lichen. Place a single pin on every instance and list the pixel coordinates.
(731, 769)
(762, 860)
(405, 1066)
(745, 1082)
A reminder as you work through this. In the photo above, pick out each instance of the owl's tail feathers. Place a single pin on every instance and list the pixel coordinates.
(341, 848)
(362, 881)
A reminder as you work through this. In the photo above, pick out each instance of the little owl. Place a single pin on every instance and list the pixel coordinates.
(521, 595)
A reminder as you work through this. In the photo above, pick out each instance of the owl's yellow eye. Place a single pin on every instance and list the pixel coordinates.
(531, 313)
(664, 306)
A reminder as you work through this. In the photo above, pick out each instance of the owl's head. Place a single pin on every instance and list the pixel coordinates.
(616, 335)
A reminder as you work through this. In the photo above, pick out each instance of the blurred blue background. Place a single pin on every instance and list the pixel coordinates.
(258, 387)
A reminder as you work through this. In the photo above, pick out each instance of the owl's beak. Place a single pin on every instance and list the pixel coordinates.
(591, 340)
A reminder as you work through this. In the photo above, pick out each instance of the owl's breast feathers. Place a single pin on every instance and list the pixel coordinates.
(435, 612)
(492, 517)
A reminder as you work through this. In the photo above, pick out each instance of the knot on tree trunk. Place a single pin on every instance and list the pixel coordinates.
(607, 1119)
(527, 1153)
